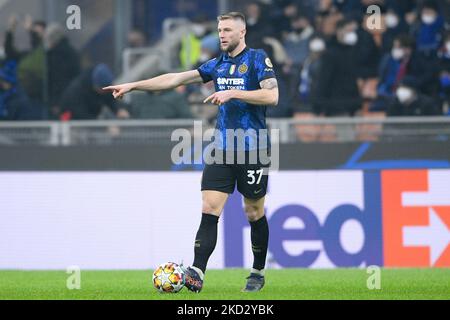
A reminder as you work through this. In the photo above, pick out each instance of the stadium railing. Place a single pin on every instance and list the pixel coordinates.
(148, 132)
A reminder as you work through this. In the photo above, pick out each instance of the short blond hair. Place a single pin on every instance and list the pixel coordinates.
(233, 16)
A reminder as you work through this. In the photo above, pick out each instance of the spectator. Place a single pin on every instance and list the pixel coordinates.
(409, 101)
(210, 48)
(308, 8)
(369, 55)
(283, 25)
(307, 85)
(401, 7)
(14, 104)
(297, 41)
(444, 6)
(31, 75)
(350, 7)
(198, 109)
(282, 65)
(444, 73)
(191, 51)
(35, 30)
(171, 104)
(195, 96)
(136, 39)
(63, 65)
(31, 62)
(84, 98)
(257, 26)
(401, 62)
(430, 29)
(327, 19)
(395, 25)
(337, 88)
(303, 106)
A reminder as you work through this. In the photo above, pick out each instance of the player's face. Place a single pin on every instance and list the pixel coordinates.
(231, 33)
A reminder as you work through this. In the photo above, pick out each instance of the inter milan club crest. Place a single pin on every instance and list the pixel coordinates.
(232, 69)
(243, 68)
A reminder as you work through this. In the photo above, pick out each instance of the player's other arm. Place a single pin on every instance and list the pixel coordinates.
(163, 82)
(267, 96)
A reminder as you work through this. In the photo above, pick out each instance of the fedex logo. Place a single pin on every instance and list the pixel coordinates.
(350, 219)
(316, 219)
(416, 218)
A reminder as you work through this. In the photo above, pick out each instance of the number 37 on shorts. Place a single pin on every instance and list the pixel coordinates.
(256, 183)
(251, 180)
(255, 176)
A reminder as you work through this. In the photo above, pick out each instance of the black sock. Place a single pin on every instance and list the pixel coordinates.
(206, 240)
(260, 242)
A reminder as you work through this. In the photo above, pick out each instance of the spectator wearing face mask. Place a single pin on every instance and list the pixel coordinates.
(307, 84)
(402, 61)
(209, 48)
(337, 89)
(430, 29)
(409, 101)
(296, 42)
(190, 51)
(444, 73)
(306, 106)
(394, 26)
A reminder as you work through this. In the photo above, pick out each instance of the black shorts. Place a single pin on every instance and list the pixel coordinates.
(251, 179)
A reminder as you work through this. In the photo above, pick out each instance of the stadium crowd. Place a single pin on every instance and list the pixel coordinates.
(330, 61)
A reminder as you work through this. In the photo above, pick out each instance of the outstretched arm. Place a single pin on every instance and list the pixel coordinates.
(267, 95)
(163, 82)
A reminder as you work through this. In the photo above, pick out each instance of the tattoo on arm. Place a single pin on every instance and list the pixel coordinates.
(269, 84)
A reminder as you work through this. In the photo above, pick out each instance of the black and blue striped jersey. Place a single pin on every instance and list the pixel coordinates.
(243, 72)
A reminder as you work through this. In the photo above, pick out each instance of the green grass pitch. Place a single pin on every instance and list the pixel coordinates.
(288, 284)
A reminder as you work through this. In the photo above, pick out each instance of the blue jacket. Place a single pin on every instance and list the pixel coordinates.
(429, 37)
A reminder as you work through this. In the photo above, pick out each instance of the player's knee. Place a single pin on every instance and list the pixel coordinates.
(211, 207)
(253, 212)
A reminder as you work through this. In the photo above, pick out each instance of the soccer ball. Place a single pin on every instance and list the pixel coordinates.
(168, 278)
